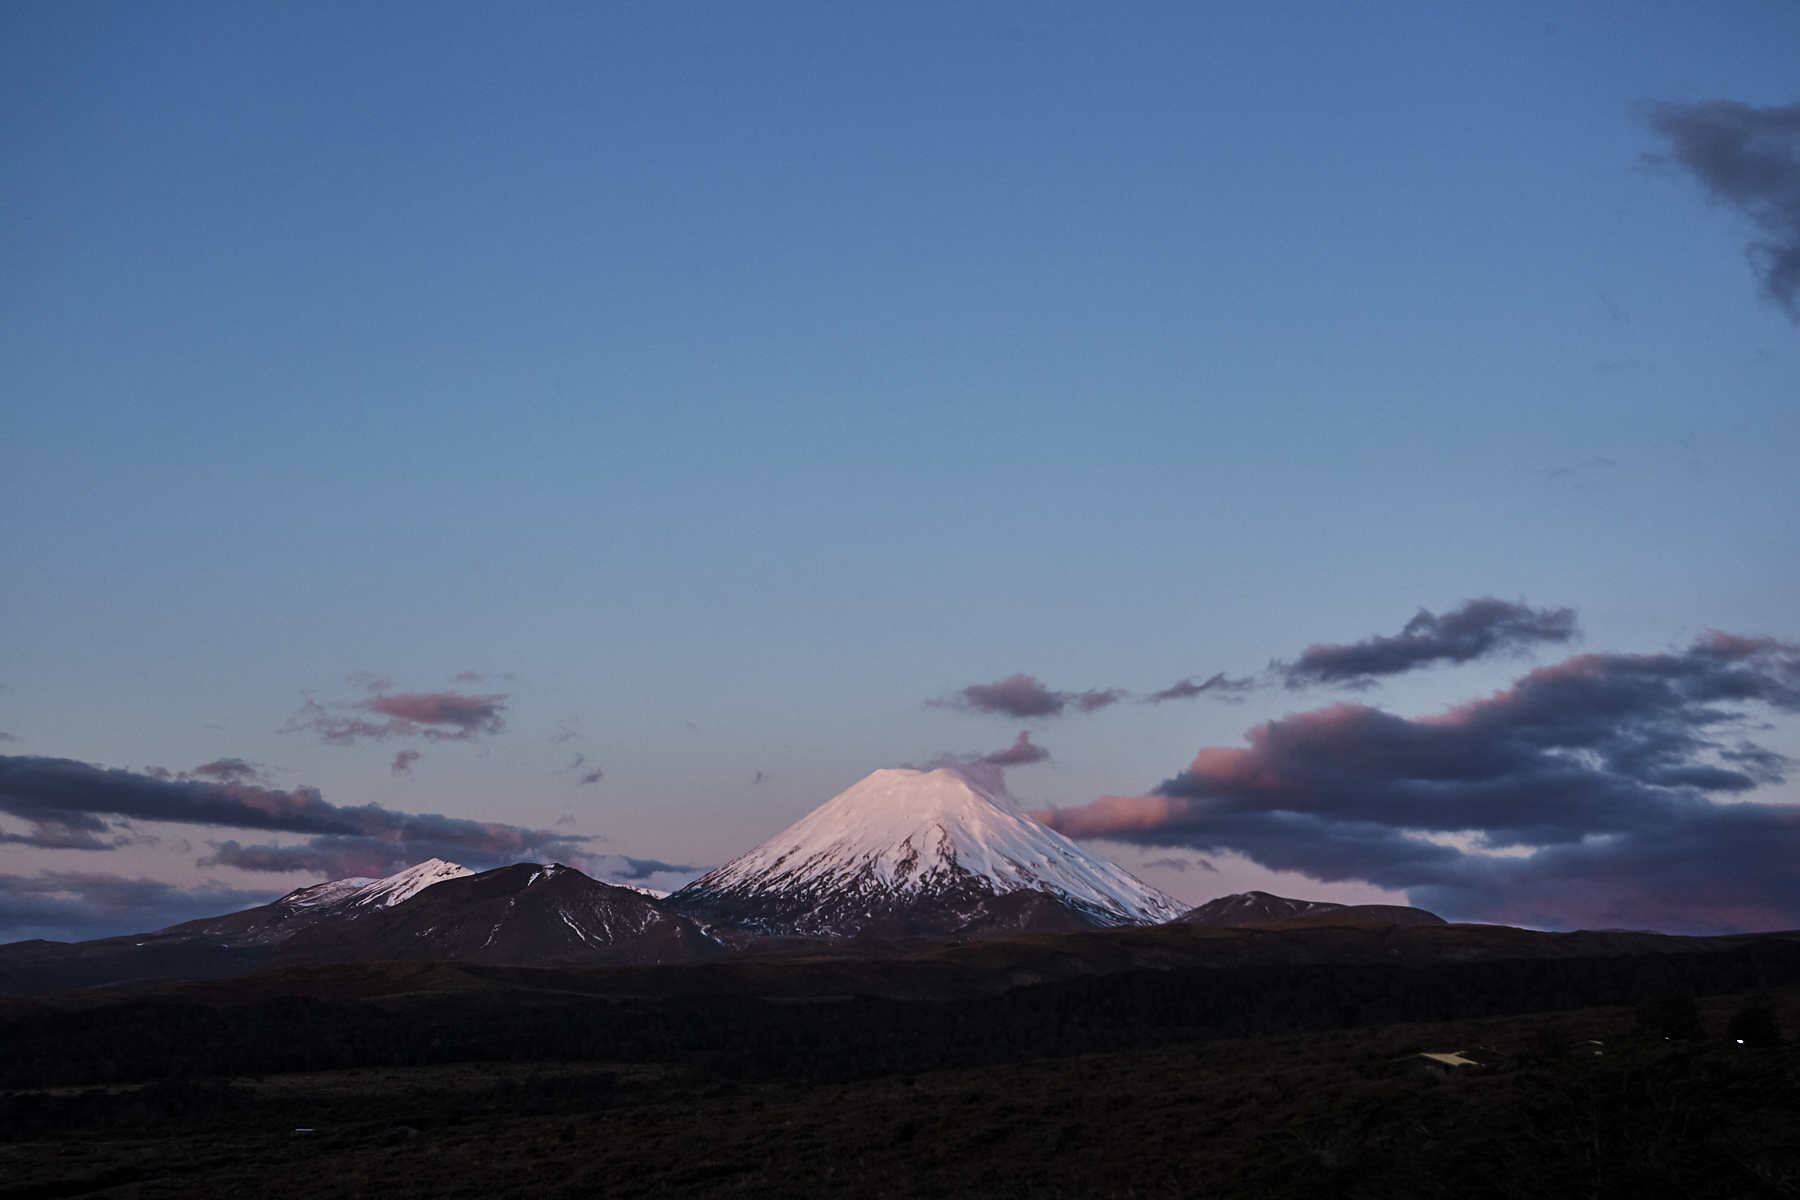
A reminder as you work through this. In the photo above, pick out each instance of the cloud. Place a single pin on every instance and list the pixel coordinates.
(1021, 697)
(403, 761)
(228, 770)
(1218, 687)
(1021, 753)
(7, 737)
(76, 906)
(59, 794)
(594, 775)
(1478, 629)
(1606, 790)
(624, 871)
(59, 835)
(439, 716)
(1749, 158)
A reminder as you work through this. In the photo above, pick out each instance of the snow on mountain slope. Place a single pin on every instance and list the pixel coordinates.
(329, 903)
(404, 885)
(319, 894)
(903, 841)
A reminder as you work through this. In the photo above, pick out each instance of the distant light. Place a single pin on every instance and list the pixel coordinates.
(1740, 1041)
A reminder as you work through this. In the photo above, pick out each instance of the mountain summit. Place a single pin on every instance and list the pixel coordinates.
(926, 852)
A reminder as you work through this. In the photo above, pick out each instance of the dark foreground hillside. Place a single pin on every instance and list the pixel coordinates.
(1267, 1082)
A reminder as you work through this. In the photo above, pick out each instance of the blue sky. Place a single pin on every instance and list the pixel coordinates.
(720, 383)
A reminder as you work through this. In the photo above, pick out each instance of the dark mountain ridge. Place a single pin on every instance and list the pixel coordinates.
(1255, 908)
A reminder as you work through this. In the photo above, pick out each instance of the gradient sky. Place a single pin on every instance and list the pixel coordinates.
(720, 383)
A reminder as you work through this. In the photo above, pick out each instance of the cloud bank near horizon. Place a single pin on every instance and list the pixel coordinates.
(75, 805)
(1607, 790)
(79, 905)
(1748, 158)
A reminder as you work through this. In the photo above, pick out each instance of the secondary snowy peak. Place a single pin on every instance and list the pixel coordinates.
(523, 913)
(900, 839)
(404, 885)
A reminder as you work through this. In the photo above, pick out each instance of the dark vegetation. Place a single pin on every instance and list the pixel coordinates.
(1268, 1081)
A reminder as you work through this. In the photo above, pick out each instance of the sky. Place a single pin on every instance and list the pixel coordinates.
(1341, 450)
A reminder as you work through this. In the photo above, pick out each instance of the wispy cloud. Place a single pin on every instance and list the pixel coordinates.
(1749, 158)
(1219, 687)
(1023, 697)
(403, 761)
(1478, 629)
(229, 770)
(1617, 784)
(438, 716)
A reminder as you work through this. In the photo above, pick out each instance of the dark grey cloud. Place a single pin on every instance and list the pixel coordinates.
(228, 770)
(1478, 629)
(71, 906)
(1618, 785)
(1020, 754)
(57, 794)
(1749, 158)
(1022, 697)
(439, 716)
(1219, 687)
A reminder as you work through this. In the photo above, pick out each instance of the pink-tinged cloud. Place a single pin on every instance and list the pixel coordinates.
(403, 761)
(438, 716)
(1625, 777)
(1020, 754)
(466, 715)
(1022, 697)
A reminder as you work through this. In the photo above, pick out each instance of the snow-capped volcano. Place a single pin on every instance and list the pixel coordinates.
(921, 851)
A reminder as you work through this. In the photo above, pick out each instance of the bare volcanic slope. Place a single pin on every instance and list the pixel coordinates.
(1255, 908)
(525, 913)
(920, 852)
